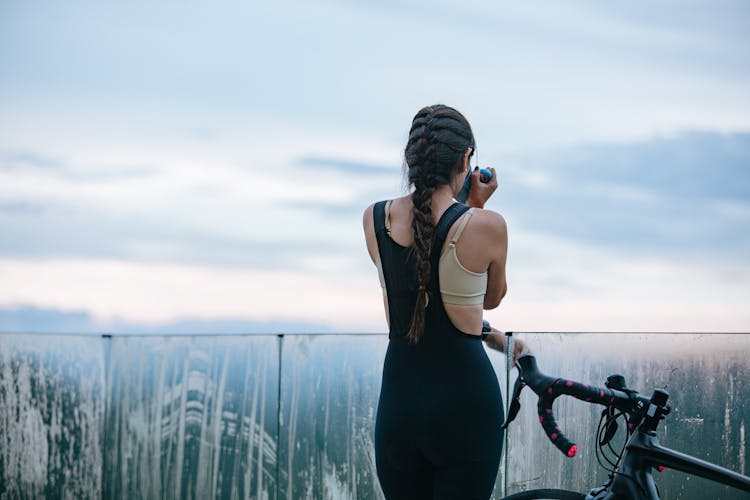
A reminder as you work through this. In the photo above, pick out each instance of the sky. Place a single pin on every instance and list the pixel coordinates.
(203, 166)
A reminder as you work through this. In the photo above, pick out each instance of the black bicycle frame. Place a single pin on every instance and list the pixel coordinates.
(634, 478)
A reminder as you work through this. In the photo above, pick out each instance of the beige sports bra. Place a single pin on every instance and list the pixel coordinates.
(458, 285)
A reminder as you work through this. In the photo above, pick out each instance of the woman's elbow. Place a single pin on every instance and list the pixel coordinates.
(492, 300)
(490, 304)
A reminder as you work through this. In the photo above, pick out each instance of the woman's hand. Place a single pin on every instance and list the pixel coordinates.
(480, 191)
(496, 340)
(519, 349)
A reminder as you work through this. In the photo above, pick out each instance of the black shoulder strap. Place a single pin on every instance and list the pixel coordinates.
(447, 220)
(449, 217)
(378, 215)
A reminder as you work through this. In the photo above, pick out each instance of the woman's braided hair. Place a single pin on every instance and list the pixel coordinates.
(438, 140)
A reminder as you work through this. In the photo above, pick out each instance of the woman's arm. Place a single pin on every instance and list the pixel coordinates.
(495, 339)
(368, 224)
(491, 235)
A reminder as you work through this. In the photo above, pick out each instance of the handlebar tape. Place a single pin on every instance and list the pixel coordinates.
(548, 389)
(584, 392)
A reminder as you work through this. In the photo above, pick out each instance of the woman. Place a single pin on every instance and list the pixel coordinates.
(440, 263)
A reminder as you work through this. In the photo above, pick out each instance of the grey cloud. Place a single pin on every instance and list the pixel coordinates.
(663, 196)
(18, 160)
(327, 209)
(21, 207)
(349, 167)
(695, 165)
(53, 233)
(109, 173)
(25, 159)
(31, 319)
(682, 197)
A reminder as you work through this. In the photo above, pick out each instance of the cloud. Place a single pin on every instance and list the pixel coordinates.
(601, 242)
(43, 231)
(109, 173)
(271, 212)
(20, 207)
(364, 180)
(702, 165)
(198, 144)
(617, 73)
(684, 197)
(57, 167)
(680, 197)
(340, 292)
(348, 167)
(339, 210)
(557, 284)
(25, 159)
(30, 319)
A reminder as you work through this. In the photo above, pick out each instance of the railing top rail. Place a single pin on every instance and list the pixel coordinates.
(299, 334)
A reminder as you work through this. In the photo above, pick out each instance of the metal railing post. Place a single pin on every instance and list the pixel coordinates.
(278, 417)
(508, 368)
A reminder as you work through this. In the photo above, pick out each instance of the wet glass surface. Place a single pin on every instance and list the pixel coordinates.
(191, 417)
(329, 386)
(51, 416)
(260, 416)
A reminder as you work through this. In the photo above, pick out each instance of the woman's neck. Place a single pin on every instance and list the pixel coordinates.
(443, 196)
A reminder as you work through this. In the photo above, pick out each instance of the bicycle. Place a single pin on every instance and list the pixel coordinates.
(630, 475)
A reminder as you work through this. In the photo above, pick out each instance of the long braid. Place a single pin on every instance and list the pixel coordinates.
(438, 138)
(423, 226)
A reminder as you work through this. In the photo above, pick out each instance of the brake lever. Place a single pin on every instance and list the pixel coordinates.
(611, 426)
(515, 402)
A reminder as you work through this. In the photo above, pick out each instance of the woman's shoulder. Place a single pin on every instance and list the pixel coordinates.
(396, 204)
(368, 212)
(485, 219)
(487, 229)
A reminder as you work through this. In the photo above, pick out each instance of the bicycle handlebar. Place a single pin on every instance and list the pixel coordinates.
(645, 412)
(549, 388)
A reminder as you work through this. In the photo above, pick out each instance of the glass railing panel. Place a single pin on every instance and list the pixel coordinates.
(198, 416)
(329, 394)
(192, 417)
(707, 376)
(51, 416)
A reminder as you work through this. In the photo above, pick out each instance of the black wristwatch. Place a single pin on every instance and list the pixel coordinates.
(486, 329)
